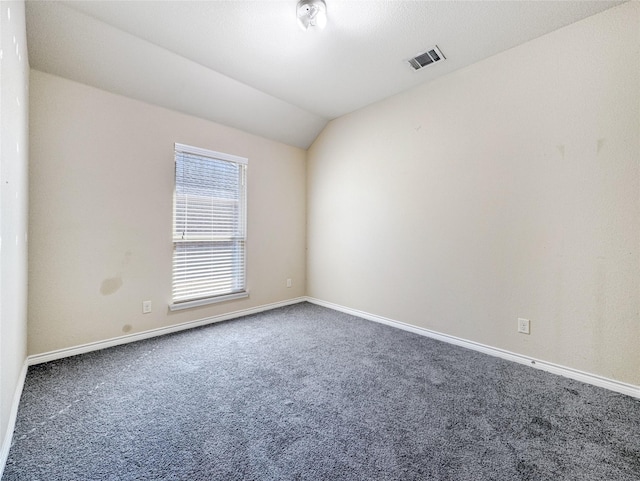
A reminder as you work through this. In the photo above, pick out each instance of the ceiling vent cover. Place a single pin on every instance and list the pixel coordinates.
(429, 57)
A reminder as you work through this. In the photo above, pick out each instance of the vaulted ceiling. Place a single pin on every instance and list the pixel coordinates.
(247, 64)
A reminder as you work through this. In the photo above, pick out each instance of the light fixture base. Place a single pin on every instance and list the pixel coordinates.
(311, 13)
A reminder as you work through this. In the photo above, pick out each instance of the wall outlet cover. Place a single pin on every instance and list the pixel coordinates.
(146, 307)
(524, 326)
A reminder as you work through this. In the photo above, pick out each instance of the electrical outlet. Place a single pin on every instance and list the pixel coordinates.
(524, 326)
(146, 307)
(288, 282)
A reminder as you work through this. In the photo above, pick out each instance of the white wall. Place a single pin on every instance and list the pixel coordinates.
(101, 189)
(14, 85)
(507, 189)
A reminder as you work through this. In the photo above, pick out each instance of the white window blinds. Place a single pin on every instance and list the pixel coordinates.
(209, 226)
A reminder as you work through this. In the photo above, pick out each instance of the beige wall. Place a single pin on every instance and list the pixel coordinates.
(507, 189)
(101, 186)
(14, 101)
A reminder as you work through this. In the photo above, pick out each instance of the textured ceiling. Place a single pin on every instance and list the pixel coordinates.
(246, 64)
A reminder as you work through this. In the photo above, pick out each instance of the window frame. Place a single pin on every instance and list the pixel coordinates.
(214, 156)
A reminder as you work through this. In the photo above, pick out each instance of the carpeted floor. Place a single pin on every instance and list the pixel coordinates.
(307, 393)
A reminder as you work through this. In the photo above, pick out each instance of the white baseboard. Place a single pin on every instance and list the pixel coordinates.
(8, 435)
(116, 341)
(588, 378)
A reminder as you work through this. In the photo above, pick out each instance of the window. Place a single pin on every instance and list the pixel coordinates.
(209, 227)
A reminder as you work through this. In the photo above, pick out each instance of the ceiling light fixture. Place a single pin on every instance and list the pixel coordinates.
(311, 13)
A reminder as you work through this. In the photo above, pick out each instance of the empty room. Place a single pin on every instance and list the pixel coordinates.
(320, 240)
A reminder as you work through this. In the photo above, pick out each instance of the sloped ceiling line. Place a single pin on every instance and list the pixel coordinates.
(248, 65)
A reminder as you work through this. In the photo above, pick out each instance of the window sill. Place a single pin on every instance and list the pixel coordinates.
(210, 300)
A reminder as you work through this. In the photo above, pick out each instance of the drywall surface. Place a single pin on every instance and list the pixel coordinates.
(101, 187)
(507, 189)
(14, 144)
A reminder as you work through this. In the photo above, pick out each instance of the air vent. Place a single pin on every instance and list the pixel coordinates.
(429, 57)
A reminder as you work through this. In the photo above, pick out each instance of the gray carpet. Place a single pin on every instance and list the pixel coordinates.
(307, 393)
